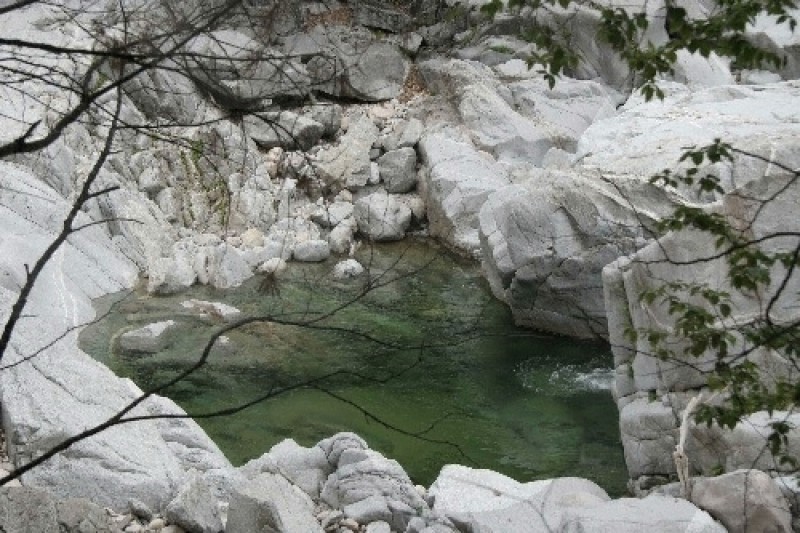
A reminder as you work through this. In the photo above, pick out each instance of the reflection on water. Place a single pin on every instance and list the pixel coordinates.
(527, 405)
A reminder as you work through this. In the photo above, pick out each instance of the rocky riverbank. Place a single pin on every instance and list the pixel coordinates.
(545, 186)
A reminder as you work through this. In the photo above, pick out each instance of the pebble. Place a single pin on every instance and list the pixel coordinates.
(134, 527)
(157, 524)
(349, 523)
(173, 529)
(140, 509)
(123, 521)
(329, 518)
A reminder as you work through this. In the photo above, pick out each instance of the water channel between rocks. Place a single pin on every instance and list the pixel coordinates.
(527, 405)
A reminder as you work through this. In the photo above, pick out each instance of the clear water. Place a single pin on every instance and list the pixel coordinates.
(468, 387)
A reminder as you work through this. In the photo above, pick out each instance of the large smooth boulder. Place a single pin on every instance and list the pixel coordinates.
(631, 515)
(312, 251)
(483, 500)
(519, 123)
(144, 461)
(647, 138)
(687, 255)
(545, 242)
(566, 110)
(168, 275)
(745, 501)
(498, 129)
(381, 217)
(225, 266)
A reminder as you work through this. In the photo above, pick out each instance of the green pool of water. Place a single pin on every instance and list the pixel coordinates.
(449, 380)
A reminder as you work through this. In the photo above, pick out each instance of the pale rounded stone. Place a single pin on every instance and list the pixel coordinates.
(252, 238)
(347, 269)
(156, 524)
(276, 265)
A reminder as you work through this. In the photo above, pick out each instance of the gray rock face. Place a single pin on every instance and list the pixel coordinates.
(306, 468)
(545, 243)
(405, 134)
(168, 275)
(149, 339)
(347, 165)
(375, 16)
(239, 73)
(269, 503)
(370, 509)
(496, 128)
(73, 391)
(398, 169)
(743, 501)
(629, 515)
(638, 372)
(482, 500)
(458, 182)
(329, 115)
(354, 65)
(165, 93)
(195, 508)
(24, 509)
(363, 477)
(741, 115)
(566, 110)
(285, 129)
(379, 527)
(381, 217)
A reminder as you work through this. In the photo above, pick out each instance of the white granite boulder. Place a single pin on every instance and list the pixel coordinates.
(381, 217)
(195, 508)
(347, 164)
(457, 182)
(347, 269)
(151, 338)
(269, 502)
(312, 251)
(545, 243)
(398, 170)
(743, 501)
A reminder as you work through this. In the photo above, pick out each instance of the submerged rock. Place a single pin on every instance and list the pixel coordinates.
(149, 339)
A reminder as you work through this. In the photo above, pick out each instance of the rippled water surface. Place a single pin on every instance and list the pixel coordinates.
(430, 354)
